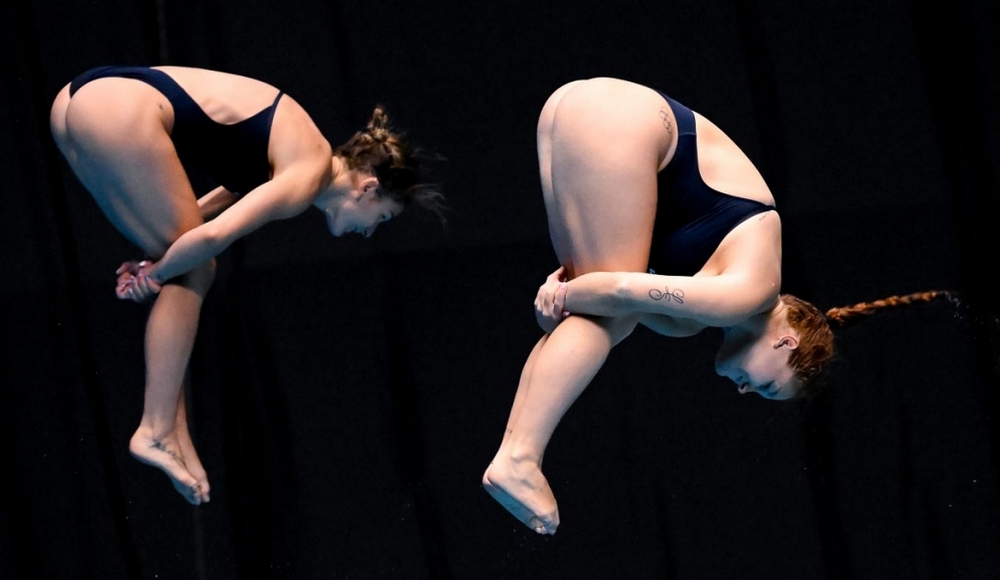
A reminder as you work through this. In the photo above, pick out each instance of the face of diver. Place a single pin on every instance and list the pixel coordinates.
(361, 210)
(758, 363)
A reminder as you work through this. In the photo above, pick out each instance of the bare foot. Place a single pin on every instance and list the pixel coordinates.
(192, 463)
(165, 454)
(522, 490)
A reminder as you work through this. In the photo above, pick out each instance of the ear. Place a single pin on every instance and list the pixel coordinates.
(369, 189)
(788, 341)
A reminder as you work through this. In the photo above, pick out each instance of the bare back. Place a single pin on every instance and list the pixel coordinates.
(226, 98)
(229, 98)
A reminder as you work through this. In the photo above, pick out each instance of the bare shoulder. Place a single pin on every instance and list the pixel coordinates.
(752, 249)
(759, 236)
(294, 135)
(299, 152)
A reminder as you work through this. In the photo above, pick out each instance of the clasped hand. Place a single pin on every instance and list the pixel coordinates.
(551, 301)
(135, 283)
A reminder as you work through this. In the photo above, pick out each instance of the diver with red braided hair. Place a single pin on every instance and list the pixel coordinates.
(125, 132)
(657, 218)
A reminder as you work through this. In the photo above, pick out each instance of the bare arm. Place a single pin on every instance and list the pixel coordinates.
(722, 300)
(744, 280)
(288, 194)
(215, 202)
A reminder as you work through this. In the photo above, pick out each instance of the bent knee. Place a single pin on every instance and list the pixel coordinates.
(201, 278)
(620, 327)
(205, 274)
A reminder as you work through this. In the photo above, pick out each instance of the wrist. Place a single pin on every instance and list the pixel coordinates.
(148, 269)
(562, 291)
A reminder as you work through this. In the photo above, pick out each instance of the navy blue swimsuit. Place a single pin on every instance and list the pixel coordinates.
(233, 155)
(691, 217)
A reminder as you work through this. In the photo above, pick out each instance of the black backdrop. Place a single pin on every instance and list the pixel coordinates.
(349, 393)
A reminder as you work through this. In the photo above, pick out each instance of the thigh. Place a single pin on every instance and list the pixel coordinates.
(116, 143)
(605, 146)
(546, 120)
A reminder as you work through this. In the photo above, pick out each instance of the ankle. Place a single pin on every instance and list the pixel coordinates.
(157, 430)
(520, 456)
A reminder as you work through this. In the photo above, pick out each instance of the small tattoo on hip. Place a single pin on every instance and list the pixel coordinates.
(665, 115)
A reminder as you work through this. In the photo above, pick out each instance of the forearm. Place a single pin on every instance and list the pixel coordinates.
(711, 300)
(215, 202)
(621, 293)
(195, 247)
(599, 294)
(287, 194)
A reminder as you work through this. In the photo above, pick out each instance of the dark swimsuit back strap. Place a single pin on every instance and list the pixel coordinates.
(266, 124)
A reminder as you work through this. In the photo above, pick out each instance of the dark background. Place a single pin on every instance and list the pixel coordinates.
(348, 394)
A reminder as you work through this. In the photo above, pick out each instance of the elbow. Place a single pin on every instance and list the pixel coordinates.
(743, 312)
(620, 289)
(210, 241)
(210, 238)
(622, 297)
(745, 299)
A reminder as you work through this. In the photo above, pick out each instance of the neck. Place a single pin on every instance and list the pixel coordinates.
(343, 177)
(340, 183)
(338, 168)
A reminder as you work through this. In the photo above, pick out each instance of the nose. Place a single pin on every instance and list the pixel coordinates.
(728, 371)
